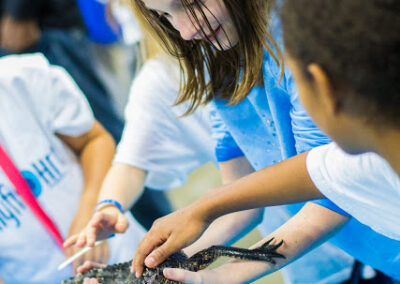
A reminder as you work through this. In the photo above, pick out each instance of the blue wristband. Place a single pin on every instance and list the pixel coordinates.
(110, 201)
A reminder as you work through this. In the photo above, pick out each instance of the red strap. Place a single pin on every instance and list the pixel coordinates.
(23, 189)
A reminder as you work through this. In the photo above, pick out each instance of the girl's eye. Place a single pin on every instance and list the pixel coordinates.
(163, 15)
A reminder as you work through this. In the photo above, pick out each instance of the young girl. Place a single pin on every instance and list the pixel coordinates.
(266, 125)
(157, 148)
(359, 112)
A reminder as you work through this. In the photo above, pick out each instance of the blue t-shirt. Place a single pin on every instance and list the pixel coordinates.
(271, 125)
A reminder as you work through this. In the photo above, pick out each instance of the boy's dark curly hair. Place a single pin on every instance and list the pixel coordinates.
(357, 43)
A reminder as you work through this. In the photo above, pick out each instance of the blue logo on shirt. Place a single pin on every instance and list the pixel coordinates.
(33, 182)
(44, 171)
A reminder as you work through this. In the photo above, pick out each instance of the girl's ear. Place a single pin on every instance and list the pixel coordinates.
(324, 89)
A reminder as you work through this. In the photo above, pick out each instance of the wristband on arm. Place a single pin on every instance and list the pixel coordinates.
(109, 202)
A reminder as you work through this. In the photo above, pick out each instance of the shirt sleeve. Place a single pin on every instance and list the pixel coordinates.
(225, 146)
(364, 185)
(58, 101)
(155, 137)
(332, 206)
(306, 134)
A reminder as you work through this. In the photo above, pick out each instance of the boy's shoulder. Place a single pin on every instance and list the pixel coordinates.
(365, 170)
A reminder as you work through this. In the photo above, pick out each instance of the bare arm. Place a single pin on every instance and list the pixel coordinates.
(229, 228)
(285, 182)
(123, 183)
(310, 227)
(282, 183)
(224, 230)
(96, 150)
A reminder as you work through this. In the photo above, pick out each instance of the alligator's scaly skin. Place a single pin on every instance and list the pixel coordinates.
(120, 273)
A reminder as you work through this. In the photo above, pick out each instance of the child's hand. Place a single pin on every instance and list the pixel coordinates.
(104, 223)
(99, 254)
(168, 235)
(90, 281)
(89, 265)
(86, 266)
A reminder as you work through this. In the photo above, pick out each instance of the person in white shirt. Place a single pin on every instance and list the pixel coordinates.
(158, 149)
(48, 130)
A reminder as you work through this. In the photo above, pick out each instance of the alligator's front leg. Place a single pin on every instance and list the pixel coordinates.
(204, 258)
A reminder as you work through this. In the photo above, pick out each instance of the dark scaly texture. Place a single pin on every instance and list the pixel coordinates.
(120, 273)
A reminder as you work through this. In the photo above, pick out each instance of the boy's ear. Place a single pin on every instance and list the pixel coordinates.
(324, 89)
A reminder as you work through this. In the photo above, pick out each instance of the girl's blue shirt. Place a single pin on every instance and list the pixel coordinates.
(271, 125)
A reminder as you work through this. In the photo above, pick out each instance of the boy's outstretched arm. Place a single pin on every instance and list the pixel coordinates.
(282, 183)
(310, 227)
(95, 149)
(229, 228)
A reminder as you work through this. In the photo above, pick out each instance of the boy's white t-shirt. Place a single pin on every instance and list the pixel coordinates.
(365, 186)
(155, 138)
(36, 102)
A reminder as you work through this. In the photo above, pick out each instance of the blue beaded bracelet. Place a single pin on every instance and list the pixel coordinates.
(110, 201)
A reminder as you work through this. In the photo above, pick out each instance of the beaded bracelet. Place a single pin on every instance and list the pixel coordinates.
(110, 201)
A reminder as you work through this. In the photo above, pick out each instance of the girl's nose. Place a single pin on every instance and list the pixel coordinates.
(185, 26)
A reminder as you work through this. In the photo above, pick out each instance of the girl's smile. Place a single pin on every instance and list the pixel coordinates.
(212, 23)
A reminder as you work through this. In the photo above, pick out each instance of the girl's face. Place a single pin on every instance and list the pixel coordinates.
(222, 33)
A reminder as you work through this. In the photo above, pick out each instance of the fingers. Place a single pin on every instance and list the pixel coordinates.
(90, 281)
(122, 224)
(184, 276)
(104, 224)
(161, 253)
(146, 245)
(77, 263)
(98, 228)
(88, 265)
(97, 219)
(81, 242)
(90, 235)
(70, 241)
(100, 253)
(93, 258)
(168, 236)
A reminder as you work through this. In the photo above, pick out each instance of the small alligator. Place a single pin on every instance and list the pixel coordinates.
(120, 273)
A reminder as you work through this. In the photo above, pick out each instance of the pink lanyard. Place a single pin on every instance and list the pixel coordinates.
(23, 190)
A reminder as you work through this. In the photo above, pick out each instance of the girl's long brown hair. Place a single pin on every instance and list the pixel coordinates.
(232, 73)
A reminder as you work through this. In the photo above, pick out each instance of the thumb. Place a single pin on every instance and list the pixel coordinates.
(122, 224)
(161, 253)
(182, 275)
(70, 241)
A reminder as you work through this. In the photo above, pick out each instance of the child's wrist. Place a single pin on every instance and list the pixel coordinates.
(202, 210)
(109, 203)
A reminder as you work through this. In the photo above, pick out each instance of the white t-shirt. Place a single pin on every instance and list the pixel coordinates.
(155, 138)
(365, 186)
(36, 101)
